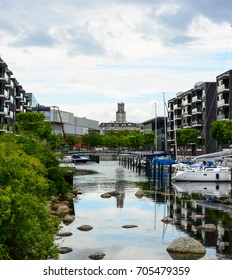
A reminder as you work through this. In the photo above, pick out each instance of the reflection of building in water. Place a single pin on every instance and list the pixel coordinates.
(184, 212)
(120, 187)
(120, 200)
(224, 242)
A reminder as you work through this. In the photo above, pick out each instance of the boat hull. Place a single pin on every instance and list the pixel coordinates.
(203, 176)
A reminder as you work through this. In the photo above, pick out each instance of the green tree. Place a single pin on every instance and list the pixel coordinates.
(92, 139)
(185, 137)
(221, 131)
(148, 140)
(26, 228)
(33, 123)
(72, 141)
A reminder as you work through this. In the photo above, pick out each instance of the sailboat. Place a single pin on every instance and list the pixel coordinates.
(207, 171)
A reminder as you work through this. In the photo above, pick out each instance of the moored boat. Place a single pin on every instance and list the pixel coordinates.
(79, 158)
(207, 174)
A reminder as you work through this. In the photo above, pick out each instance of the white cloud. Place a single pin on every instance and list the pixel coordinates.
(88, 56)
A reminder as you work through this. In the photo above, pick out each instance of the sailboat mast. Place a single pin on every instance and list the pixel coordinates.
(165, 126)
(156, 140)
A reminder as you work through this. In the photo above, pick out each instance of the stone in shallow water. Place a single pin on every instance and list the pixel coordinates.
(85, 227)
(114, 193)
(167, 220)
(64, 233)
(64, 250)
(186, 248)
(97, 256)
(106, 195)
(129, 226)
(139, 194)
(68, 219)
(207, 227)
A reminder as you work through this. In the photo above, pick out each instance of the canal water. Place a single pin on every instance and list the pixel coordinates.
(150, 237)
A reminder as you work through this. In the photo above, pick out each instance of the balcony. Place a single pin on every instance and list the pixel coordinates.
(222, 88)
(222, 117)
(197, 123)
(3, 110)
(196, 99)
(197, 110)
(178, 117)
(4, 94)
(4, 77)
(186, 114)
(19, 109)
(223, 102)
(186, 103)
(177, 106)
(187, 125)
(10, 115)
(10, 100)
(10, 84)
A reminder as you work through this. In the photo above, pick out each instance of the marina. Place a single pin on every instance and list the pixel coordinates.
(148, 237)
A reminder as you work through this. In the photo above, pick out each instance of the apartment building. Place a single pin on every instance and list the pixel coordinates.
(13, 98)
(156, 125)
(195, 108)
(224, 96)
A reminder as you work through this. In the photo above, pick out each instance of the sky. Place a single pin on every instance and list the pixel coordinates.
(87, 56)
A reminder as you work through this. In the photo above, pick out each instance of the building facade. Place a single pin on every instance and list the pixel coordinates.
(65, 123)
(13, 98)
(196, 109)
(121, 123)
(158, 127)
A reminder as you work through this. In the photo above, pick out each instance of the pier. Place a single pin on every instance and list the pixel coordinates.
(157, 174)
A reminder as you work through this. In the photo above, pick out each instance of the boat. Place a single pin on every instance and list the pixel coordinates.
(79, 158)
(216, 173)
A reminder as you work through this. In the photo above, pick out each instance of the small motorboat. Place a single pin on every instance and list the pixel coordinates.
(79, 158)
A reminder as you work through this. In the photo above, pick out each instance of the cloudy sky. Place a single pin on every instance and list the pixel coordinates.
(87, 56)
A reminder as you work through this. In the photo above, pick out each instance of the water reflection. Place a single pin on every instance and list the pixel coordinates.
(151, 237)
(214, 189)
(193, 214)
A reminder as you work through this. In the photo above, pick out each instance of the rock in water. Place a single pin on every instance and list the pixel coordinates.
(97, 256)
(186, 248)
(85, 227)
(64, 250)
(139, 194)
(129, 226)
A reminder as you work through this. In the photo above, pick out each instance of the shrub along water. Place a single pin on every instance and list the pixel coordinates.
(29, 175)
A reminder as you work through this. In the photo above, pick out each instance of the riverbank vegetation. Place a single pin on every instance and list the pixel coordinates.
(29, 176)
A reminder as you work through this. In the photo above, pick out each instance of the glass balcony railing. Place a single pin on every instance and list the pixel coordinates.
(222, 88)
(223, 102)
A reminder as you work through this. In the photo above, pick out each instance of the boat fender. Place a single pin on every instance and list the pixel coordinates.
(217, 176)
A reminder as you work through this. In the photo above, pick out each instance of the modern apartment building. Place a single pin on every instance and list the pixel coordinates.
(120, 123)
(156, 125)
(224, 96)
(195, 108)
(13, 98)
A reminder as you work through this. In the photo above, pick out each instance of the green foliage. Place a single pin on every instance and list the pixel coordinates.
(33, 123)
(29, 174)
(92, 139)
(72, 141)
(221, 131)
(26, 228)
(124, 138)
(186, 136)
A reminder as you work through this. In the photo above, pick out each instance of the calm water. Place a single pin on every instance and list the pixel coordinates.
(151, 237)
